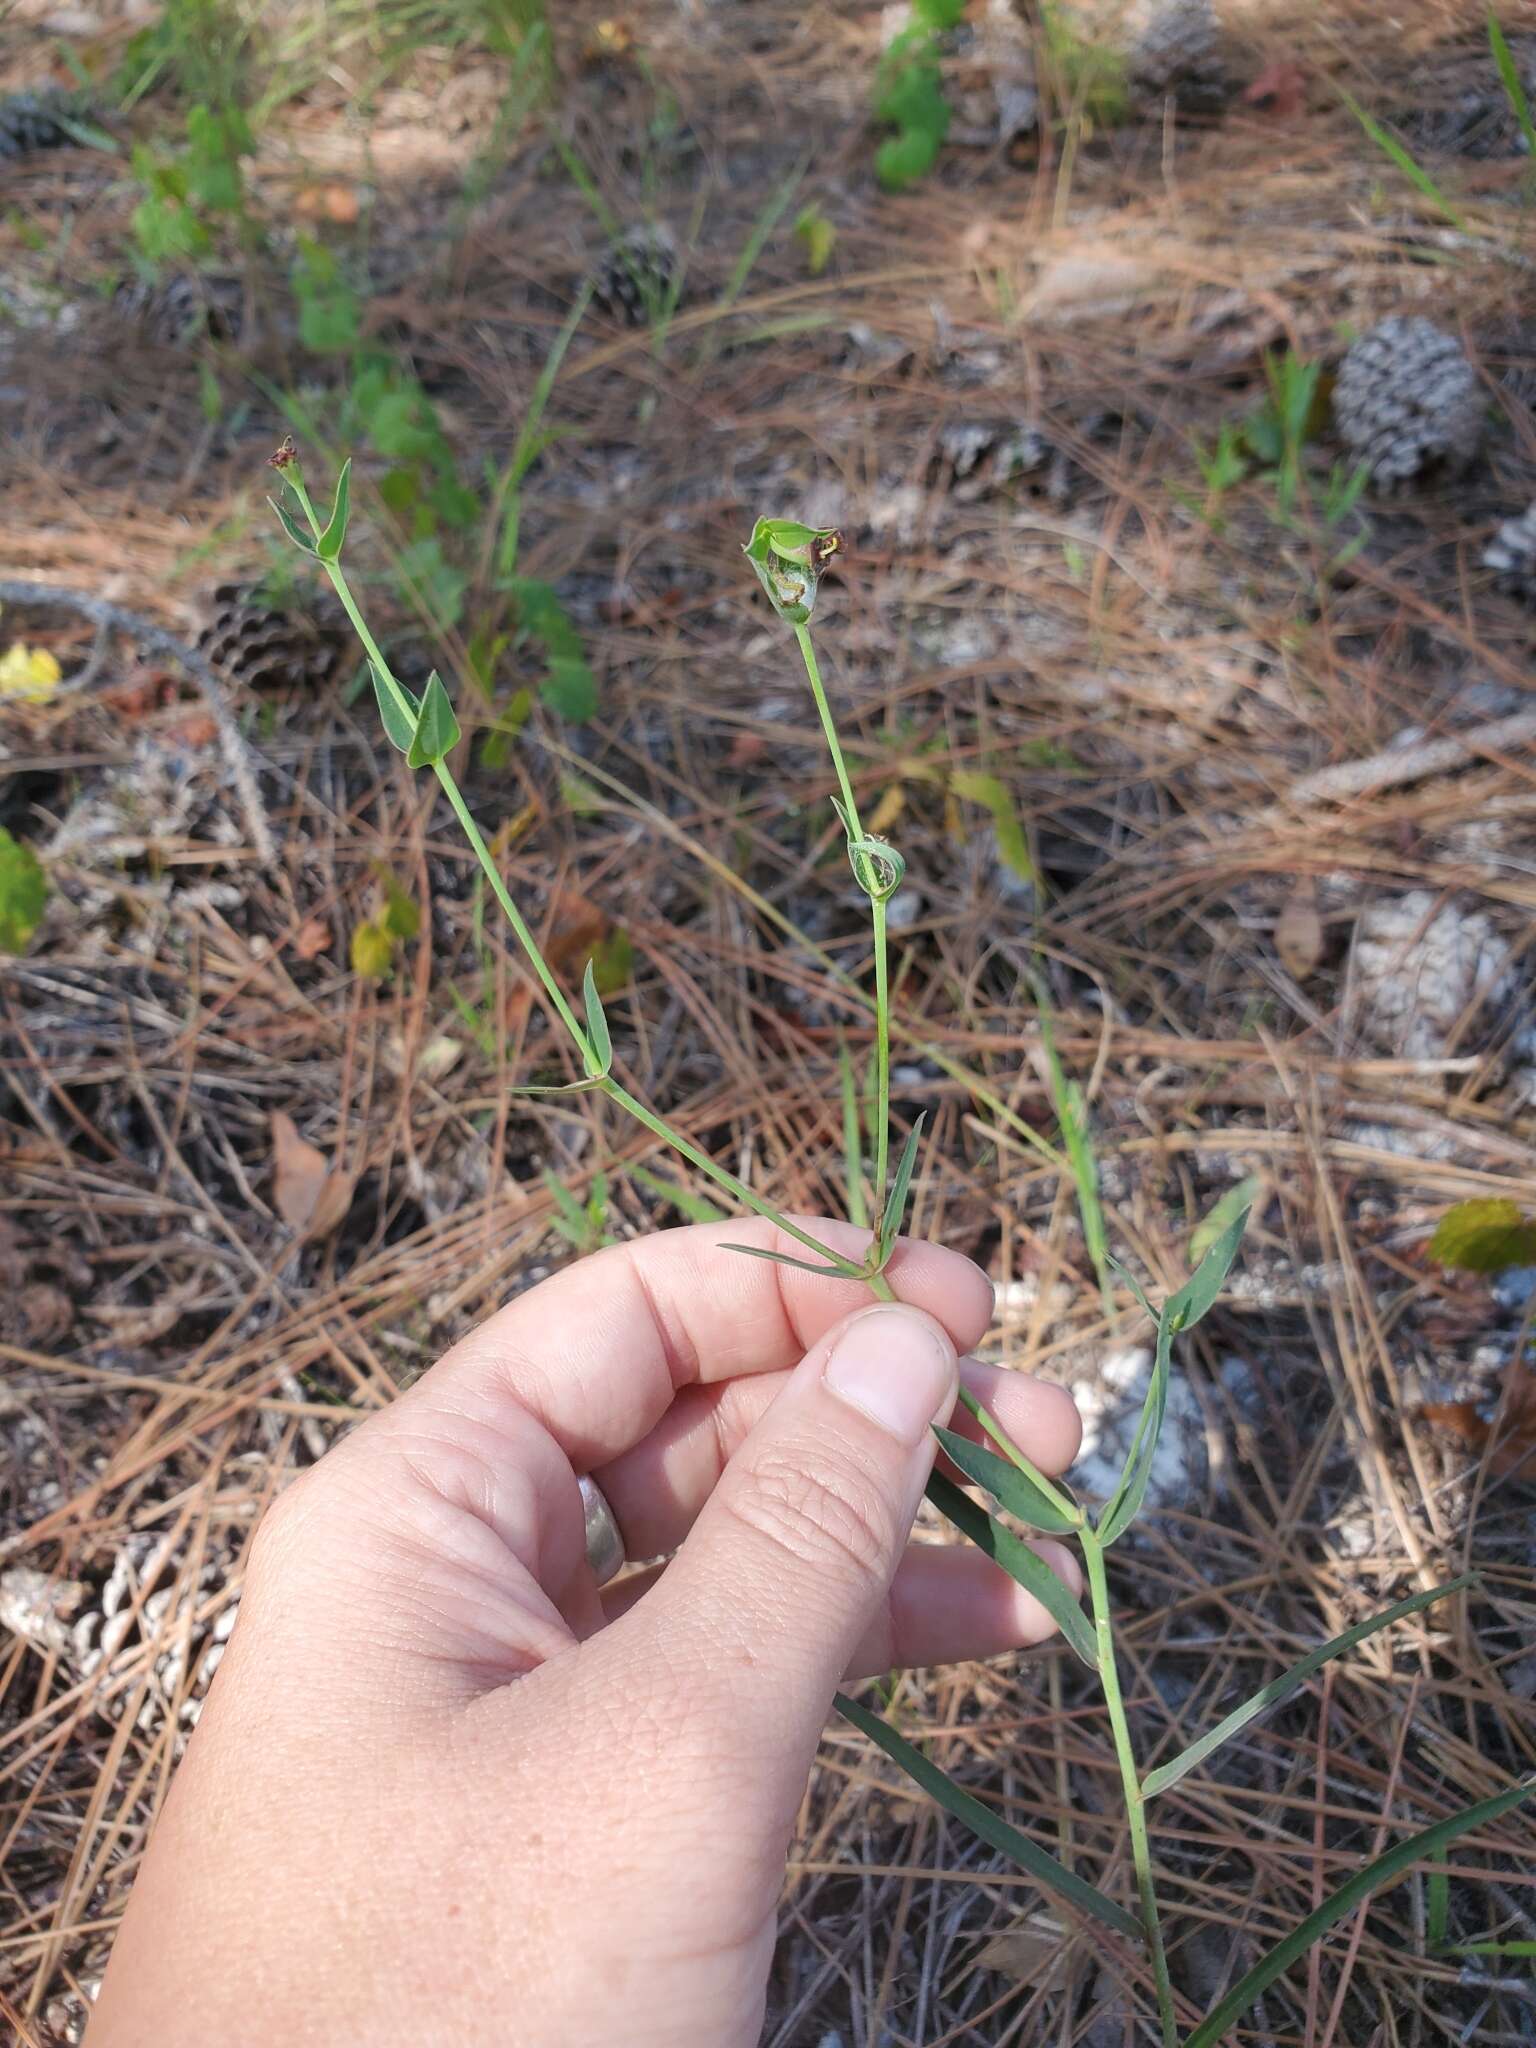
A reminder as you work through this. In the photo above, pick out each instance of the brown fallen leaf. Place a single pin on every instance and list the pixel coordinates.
(312, 938)
(196, 730)
(311, 1196)
(1023, 1953)
(1280, 89)
(1509, 1442)
(333, 201)
(1299, 931)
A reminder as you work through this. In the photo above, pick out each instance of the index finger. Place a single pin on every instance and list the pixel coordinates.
(596, 1353)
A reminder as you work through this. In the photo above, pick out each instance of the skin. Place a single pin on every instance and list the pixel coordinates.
(443, 1790)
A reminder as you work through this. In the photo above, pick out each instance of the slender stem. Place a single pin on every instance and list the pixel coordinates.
(877, 911)
(540, 966)
(1135, 1802)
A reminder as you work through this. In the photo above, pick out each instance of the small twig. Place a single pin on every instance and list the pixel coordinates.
(112, 617)
(1396, 765)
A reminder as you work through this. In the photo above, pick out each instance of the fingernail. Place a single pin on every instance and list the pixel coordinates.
(897, 1368)
(1062, 1563)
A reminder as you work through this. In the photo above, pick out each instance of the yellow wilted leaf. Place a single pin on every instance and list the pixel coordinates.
(373, 951)
(1486, 1235)
(30, 673)
(889, 809)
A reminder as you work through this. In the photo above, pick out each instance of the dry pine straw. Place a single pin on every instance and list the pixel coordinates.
(1157, 694)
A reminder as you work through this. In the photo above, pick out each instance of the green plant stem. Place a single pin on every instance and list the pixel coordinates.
(540, 965)
(1135, 1802)
(877, 912)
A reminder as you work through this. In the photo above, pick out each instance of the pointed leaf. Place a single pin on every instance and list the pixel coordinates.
(328, 546)
(1401, 1857)
(1183, 1310)
(901, 1180)
(990, 1826)
(1282, 1687)
(399, 726)
(1019, 1562)
(437, 730)
(755, 1251)
(597, 1025)
(1180, 1311)
(560, 1088)
(292, 528)
(1015, 1490)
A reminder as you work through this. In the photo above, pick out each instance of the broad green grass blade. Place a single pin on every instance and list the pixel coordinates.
(1015, 1490)
(1282, 1687)
(1019, 1562)
(1411, 169)
(1437, 1910)
(1514, 85)
(1183, 1310)
(1417, 1849)
(991, 1827)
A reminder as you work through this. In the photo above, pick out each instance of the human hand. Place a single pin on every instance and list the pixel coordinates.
(446, 1791)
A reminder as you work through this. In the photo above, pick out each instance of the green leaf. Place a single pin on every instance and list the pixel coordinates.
(990, 1826)
(896, 1202)
(696, 1207)
(1417, 1848)
(1014, 1490)
(399, 725)
(328, 546)
(1180, 1312)
(1514, 85)
(437, 730)
(597, 1026)
(1007, 826)
(402, 915)
(292, 528)
(23, 893)
(1484, 1236)
(1183, 1310)
(569, 689)
(1235, 1202)
(817, 236)
(753, 1251)
(1282, 1687)
(1437, 1910)
(1019, 1562)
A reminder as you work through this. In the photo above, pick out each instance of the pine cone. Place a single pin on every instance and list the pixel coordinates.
(254, 641)
(1511, 555)
(1178, 54)
(635, 278)
(34, 120)
(183, 308)
(1407, 402)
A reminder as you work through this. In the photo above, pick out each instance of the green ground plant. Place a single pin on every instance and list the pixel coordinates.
(909, 95)
(788, 559)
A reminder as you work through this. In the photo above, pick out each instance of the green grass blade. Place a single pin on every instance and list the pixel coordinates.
(697, 1208)
(1072, 1116)
(1282, 1687)
(1019, 1562)
(1411, 169)
(1437, 1910)
(853, 1140)
(1014, 1490)
(1517, 1949)
(1402, 1857)
(755, 1251)
(992, 1828)
(1514, 85)
(896, 1202)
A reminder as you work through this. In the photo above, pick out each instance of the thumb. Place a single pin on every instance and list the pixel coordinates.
(795, 1550)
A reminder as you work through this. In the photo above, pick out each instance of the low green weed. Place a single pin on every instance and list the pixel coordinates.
(909, 95)
(788, 559)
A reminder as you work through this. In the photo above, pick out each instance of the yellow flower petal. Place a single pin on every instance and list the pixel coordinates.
(30, 673)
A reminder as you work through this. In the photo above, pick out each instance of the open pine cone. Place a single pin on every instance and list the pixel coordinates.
(1511, 555)
(254, 641)
(1407, 402)
(34, 120)
(1178, 55)
(182, 308)
(635, 278)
